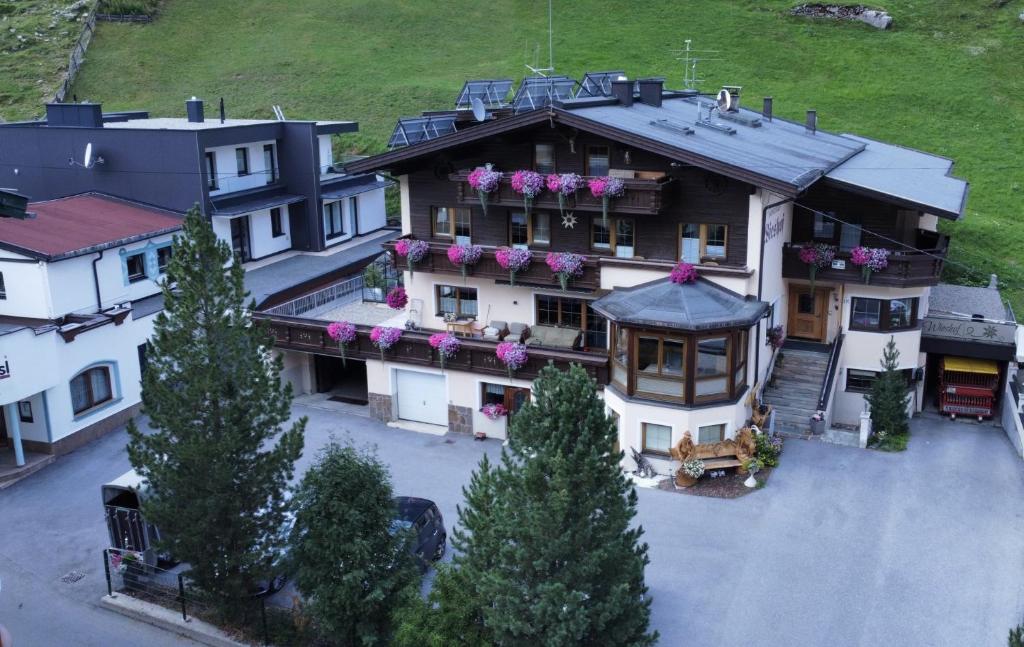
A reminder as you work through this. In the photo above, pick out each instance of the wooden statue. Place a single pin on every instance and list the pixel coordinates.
(683, 450)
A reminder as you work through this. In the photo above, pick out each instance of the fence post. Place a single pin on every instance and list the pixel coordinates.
(263, 615)
(181, 596)
(106, 571)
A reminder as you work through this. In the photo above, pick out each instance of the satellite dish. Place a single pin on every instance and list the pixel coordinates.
(724, 100)
(479, 111)
(87, 160)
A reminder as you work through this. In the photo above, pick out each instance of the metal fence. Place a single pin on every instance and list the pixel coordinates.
(314, 300)
(77, 56)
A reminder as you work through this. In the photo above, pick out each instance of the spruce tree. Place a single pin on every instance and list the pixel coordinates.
(217, 461)
(1016, 637)
(549, 550)
(349, 566)
(889, 398)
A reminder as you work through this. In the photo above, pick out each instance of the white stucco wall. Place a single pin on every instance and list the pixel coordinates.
(228, 180)
(326, 151)
(25, 285)
(372, 211)
(262, 242)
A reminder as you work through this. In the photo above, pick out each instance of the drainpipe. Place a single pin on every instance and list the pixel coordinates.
(96, 279)
(760, 278)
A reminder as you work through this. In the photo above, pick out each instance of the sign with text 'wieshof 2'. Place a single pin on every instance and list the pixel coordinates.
(985, 332)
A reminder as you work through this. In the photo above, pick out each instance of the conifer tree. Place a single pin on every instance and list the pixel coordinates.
(217, 460)
(348, 565)
(549, 550)
(889, 398)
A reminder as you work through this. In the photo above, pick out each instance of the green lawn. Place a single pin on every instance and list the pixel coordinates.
(948, 79)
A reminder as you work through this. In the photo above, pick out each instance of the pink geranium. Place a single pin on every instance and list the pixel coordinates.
(528, 184)
(870, 259)
(413, 250)
(512, 354)
(464, 256)
(446, 344)
(606, 188)
(816, 255)
(565, 266)
(513, 260)
(484, 180)
(397, 298)
(344, 333)
(683, 272)
(384, 338)
(494, 411)
(564, 185)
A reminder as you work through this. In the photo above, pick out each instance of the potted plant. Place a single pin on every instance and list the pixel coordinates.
(384, 338)
(484, 180)
(397, 298)
(816, 256)
(565, 186)
(606, 188)
(869, 259)
(464, 256)
(513, 260)
(818, 423)
(682, 273)
(566, 266)
(752, 466)
(776, 336)
(690, 472)
(446, 344)
(512, 354)
(344, 333)
(414, 251)
(528, 184)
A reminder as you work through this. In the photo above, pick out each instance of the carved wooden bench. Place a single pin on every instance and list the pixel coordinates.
(727, 453)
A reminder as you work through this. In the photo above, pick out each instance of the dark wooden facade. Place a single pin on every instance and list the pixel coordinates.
(475, 355)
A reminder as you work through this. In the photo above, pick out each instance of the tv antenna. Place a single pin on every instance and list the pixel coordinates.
(690, 58)
(544, 71)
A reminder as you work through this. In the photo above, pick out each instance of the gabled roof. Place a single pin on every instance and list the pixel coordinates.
(692, 307)
(82, 224)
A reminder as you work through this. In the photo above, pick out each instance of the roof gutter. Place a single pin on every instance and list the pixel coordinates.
(760, 277)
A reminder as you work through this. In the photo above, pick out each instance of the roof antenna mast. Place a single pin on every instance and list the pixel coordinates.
(690, 59)
(544, 71)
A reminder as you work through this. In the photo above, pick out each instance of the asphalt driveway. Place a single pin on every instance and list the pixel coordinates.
(844, 546)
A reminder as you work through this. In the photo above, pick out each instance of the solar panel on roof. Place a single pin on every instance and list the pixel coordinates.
(598, 84)
(413, 130)
(491, 91)
(539, 91)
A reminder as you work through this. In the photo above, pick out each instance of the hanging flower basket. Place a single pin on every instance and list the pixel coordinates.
(344, 333)
(682, 273)
(464, 256)
(512, 354)
(870, 259)
(513, 261)
(397, 298)
(566, 266)
(565, 186)
(384, 338)
(484, 180)
(776, 336)
(606, 188)
(494, 411)
(528, 184)
(816, 255)
(414, 251)
(446, 344)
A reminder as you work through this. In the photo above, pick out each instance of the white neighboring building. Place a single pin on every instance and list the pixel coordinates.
(79, 288)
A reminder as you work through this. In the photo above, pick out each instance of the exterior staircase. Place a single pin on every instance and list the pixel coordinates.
(794, 389)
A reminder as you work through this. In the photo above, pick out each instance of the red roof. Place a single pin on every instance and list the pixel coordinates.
(81, 224)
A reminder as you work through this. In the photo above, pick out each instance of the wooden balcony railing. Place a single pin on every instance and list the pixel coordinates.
(641, 196)
(905, 269)
(476, 355)
(538, 273)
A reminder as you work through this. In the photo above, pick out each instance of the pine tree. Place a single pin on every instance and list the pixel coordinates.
(345, 560)
(213, 394)
(889, 398)
(548, 549)
(1016, 637)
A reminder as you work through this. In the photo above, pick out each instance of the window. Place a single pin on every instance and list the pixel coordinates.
(242, 161)
(141, 350)
(163, 259)
(597, 160)
(712, 367)
(710, 434)
(276, 229)
(620, 357)
(334, 224)
(461, 301)
(660, 366)
(25, 411)
(535, 230)
(860, 381)
(824, 227)
(452, 223)
(511, 397)
(544, 158)
(211, 171)
(617, 235)
(90, 388)
(701, 242)
(877, 315)
(269, 163)
(740, 370)
(573, 313)
(136, 264)
(657, 438)
(3, 288)
(353, 212)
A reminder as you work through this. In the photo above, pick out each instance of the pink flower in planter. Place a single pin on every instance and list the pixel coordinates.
(683, 273)
(606, 188)
(464, 256)
(565, 185)
(816, 255)
(565, 266)
(384, 338)
(344, 333)
(494, 411)
(512, 354)
(413, 250)
(397, 298)
(484, 180)
(528, 184)
(870, 259)
(513, 260)
(446, 344)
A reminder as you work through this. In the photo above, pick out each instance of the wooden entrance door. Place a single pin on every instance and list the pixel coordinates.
(808, 312)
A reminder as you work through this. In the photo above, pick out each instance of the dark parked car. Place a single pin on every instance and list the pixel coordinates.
(422, 518)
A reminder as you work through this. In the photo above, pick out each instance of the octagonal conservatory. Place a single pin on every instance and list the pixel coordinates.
(680, 361)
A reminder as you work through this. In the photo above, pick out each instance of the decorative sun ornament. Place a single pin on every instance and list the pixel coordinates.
(569, 220)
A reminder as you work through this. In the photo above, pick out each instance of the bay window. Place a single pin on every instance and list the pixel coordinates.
(880, 315)
(712, 377)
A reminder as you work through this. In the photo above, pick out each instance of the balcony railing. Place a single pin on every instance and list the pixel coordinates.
(476, 355)
(641, 196)
(538, 273)
(905, 269)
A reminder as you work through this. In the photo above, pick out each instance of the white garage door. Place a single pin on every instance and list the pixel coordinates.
(421, 397)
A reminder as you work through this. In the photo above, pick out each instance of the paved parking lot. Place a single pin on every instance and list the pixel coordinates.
(844, 547)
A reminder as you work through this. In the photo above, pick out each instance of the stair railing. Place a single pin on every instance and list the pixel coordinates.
(830, 373)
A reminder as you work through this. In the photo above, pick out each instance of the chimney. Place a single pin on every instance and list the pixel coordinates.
(194, 108)
(734, 92)
(74, 115)
(622, 89)
(650, 91)
(767, 109)
(993, 282)
(812, 121)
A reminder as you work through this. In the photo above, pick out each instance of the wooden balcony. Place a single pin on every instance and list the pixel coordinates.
(905, 269)
(475, 355)
(538, 274)
(641, 196)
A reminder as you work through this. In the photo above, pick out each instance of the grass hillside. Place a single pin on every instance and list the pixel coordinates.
(946, 79)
